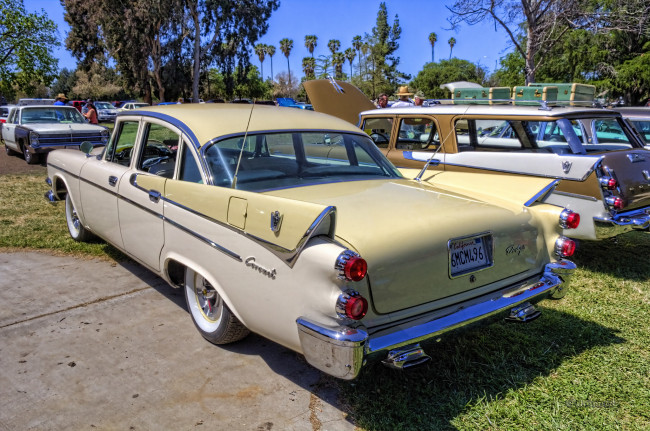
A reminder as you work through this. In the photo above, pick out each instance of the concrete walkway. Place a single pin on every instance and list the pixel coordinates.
(95, 345)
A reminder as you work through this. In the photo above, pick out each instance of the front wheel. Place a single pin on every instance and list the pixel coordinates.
(30, 158)
(77, 230)
(210, 314)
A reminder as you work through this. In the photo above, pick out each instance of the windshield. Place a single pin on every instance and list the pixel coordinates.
(281, 160)
(644, 129)
(561, 136)
(51, 114)
(104, 105)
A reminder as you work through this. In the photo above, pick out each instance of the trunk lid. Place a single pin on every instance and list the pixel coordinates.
(405, 232)
(337, 98)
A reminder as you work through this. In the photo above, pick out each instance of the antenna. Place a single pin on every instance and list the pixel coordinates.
(234, 178)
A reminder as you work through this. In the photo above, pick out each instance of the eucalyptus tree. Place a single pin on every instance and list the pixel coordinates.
(535, 27)
(270, 50)
(433, 38)
(26, 44)
(350, 55)
(310, 43)
(286, 45)
(260, 50)
(452, 43)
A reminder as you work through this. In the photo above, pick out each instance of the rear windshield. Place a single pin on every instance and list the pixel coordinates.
(279, 160)
(563, 136)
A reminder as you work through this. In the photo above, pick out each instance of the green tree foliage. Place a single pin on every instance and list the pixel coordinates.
(26, 44)
(435, 74)
(308, 68)
(64, 82)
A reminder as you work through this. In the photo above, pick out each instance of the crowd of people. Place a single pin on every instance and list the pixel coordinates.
(88, 110)
(403, 94)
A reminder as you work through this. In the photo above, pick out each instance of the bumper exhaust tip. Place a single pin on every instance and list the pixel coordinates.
(406, 357)
(524, 312)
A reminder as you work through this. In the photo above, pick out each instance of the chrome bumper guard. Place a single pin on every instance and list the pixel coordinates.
(341, 351)
(621, 223)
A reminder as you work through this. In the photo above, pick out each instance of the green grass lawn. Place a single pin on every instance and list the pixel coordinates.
(584, 364)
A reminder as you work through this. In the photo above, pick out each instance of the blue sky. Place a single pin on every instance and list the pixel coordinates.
(344, 19)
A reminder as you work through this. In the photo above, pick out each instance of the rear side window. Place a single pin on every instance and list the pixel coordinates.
(379, 130)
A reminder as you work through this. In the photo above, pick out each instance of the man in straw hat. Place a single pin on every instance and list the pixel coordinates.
(60, 99)
(403, 95)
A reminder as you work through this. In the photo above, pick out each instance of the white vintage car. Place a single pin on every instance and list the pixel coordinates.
(293, 225)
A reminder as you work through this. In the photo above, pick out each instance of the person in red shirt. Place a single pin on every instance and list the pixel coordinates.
(91, 113)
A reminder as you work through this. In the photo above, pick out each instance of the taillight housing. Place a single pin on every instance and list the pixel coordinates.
(565, 247)
(569, 219)
(351, 266)
(608, 183)
(351, 305)
(615, 202)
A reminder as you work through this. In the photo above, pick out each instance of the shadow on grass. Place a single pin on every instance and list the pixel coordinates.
(474, 365)
(626, 256)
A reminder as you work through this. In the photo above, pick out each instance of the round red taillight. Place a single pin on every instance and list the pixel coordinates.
(569, 219)
(609, 183)
(565, 247)
(616, 203)
(356, 307)
(355, 269)
(352, 305)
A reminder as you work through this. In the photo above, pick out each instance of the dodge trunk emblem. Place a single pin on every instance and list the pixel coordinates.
(566, 166)
(276, 221)
(635, 157)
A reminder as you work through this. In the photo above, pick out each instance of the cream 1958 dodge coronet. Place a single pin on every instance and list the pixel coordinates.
(293, 225)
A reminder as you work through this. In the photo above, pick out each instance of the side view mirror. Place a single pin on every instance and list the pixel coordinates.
(86, 147)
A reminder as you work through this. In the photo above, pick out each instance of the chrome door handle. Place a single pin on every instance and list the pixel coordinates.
(112, 180)
(154, 196)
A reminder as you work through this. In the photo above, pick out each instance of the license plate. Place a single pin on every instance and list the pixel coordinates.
(469, 254)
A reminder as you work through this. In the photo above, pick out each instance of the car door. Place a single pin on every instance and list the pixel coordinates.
(9, 130)
(141, 190)
(100, 181)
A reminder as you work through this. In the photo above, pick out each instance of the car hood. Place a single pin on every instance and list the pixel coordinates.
(403, 229)
(65, 128)
(337, 98)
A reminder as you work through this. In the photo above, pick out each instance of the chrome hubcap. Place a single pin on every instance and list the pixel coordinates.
(208, 300)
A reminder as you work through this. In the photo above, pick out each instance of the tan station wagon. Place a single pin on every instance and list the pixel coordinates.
(293, 225)
(605, 178)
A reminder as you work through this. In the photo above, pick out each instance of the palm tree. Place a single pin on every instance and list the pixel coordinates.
(270, 50)
(334, 45)
(286, 45)
(357, 43)
(260, 50)
(308, 67)
(338, 60)
(310, 43)
(432, 38)
(451, 43)
(350, 54)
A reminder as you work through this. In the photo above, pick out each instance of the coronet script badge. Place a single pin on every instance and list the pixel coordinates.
(270, 273)
(566, 166)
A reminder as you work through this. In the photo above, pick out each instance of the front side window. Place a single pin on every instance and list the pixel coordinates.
(379, 130)
(417, 134)
(644, 129)
(121, 145)
(279, 160)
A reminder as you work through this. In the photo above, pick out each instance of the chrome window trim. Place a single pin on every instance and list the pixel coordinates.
(542, 193)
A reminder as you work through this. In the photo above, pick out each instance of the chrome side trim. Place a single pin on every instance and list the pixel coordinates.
(542, 193)
(577, 196)
(507, 171)
(342, 350)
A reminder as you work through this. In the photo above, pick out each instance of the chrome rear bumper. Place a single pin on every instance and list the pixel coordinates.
(341, 351)
(621, 223)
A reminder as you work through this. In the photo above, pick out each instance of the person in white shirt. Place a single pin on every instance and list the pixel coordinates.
(403, 95)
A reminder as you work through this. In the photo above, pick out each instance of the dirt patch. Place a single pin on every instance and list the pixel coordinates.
(15, 164)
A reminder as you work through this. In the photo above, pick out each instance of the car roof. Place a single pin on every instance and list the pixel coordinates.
(498, 110)
(208, 121)
(639, 112)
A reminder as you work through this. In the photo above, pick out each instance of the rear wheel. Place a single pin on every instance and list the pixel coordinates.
(9, 151)
(77, 231)
(210, 314)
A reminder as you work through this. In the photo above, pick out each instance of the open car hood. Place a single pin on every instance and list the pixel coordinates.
(337, 98)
